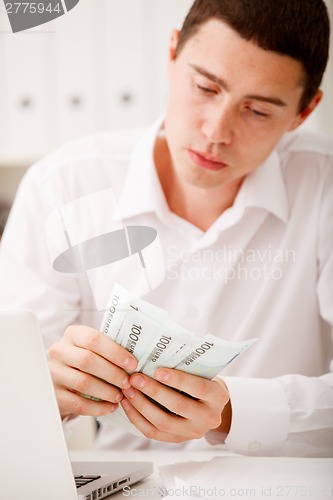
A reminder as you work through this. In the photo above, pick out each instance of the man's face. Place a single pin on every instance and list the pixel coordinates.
(229, 104)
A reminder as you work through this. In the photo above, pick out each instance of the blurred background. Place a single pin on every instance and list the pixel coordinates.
(101, 66)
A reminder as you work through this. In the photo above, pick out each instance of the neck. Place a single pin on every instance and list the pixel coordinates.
(201, 207)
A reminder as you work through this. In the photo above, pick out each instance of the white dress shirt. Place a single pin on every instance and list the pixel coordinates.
(264, 269)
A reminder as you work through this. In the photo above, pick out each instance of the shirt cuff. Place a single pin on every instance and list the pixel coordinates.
(260, 416)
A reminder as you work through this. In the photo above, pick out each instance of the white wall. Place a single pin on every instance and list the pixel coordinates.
(101, 66)
(322, 119)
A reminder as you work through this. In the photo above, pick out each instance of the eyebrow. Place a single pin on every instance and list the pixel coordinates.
(271, 100)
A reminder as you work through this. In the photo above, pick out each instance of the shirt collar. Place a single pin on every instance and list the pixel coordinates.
(142, 191)
(265, 188)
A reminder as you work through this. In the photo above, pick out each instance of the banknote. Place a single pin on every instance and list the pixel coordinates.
(210, 355)
(120, 304)
(156, 341)
(116, 323)
(167, 349)
(138, 332)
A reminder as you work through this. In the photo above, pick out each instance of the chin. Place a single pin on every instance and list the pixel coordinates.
(202, 182)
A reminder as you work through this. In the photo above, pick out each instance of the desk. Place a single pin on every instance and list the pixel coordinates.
(240, 477)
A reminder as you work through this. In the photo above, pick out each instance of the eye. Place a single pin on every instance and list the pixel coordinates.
(205, 90)
(258, 113)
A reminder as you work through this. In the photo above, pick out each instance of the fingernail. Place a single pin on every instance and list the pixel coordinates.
(129, 393)
(119, 397)
(125, 404)
(138, 381)
(125, 383)
(161, 375)
(129, 363)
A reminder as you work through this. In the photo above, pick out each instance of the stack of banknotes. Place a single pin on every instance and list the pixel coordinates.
(156, 341)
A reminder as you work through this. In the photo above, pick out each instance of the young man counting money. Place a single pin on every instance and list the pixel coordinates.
(242, 203)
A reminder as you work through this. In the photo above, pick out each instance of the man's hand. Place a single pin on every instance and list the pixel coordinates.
(191, 417)
(85, 361)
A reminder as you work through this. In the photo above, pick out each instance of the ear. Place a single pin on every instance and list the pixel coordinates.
(301, 117)
(173, 44)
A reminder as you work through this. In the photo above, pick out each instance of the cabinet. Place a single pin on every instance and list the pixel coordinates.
(101, 66)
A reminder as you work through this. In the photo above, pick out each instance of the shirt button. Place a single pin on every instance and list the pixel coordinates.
(254, 446)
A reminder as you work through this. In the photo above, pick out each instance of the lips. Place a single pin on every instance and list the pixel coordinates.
(205, 161)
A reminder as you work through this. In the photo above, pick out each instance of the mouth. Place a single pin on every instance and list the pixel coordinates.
(205, 161)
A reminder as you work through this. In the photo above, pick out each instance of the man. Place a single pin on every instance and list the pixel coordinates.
(243, 208)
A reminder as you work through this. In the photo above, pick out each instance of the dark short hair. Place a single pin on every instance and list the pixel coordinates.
(297, 28)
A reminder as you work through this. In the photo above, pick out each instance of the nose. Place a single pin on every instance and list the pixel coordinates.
(218, 125)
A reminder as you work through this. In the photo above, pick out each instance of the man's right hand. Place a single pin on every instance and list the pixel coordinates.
(85, 361)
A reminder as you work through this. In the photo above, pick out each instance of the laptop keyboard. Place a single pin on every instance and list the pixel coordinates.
(99, 493)
(83, 480)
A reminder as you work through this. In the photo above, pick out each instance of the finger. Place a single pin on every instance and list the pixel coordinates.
(174, 401)
(85, 384)
(212, 394)
(201, 414)
(95, 341)
(182, 408)
(91, 363)
(198, 387)
(146, 426)
(72, 403)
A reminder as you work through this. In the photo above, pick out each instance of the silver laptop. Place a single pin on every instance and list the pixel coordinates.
(34, 461)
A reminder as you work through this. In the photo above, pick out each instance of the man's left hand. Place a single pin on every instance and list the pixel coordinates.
(189, 417)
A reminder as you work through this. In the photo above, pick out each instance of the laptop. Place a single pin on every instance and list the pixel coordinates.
(34, 460)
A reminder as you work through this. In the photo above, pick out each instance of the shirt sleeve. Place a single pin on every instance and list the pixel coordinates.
(286, 416)
(27, 277)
